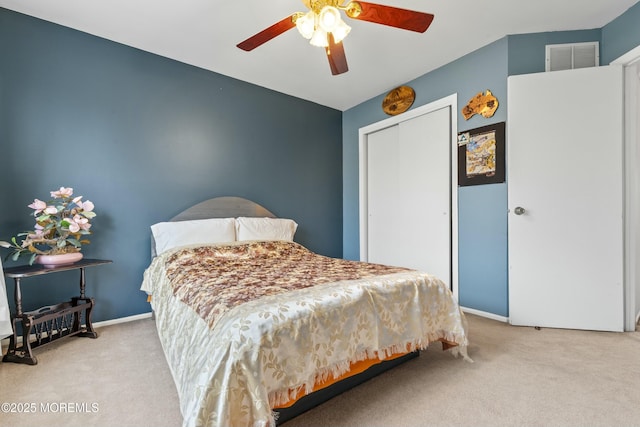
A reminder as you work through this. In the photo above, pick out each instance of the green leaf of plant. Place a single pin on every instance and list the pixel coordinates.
(74, 242)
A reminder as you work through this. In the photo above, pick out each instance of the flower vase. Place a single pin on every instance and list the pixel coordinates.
(53, 261)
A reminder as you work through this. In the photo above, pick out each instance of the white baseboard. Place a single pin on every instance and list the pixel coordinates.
(5, 342)
(485, 314)
(122, 320)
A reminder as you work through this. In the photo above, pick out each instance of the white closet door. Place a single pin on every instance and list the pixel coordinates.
(408, 194)
(382, 184)
(566, 199)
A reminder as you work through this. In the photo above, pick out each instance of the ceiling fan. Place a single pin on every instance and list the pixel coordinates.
(324, 27)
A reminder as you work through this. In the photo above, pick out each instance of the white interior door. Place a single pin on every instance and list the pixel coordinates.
(565, 170)
(408, 194)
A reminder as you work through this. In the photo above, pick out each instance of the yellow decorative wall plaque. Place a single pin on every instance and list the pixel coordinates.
(398, 100)
(484, 104)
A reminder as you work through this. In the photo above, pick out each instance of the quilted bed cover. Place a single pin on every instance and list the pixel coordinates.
(247, 326)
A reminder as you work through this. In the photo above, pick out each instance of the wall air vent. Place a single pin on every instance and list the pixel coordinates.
(572, 55)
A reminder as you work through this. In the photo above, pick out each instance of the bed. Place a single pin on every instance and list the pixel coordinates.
(256, 328)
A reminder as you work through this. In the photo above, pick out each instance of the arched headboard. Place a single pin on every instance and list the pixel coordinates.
(223, 207)
(219, 207)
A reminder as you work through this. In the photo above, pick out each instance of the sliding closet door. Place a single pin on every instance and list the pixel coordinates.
(408, 194)
(383, 180)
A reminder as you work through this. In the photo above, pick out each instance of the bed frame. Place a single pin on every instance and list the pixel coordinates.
(233, 207)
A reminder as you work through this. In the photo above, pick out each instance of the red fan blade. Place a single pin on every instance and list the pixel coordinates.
(391, 16)
(268, 34)
(336, 56)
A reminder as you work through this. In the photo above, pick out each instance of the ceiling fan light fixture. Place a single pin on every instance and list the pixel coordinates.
(306, 24)
(341, 31)
(319, 38)
(329, 18)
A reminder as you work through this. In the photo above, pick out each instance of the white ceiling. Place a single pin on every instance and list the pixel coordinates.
(204, 33)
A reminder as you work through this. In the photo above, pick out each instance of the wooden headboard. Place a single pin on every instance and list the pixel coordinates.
(219, 207)
(223, 207)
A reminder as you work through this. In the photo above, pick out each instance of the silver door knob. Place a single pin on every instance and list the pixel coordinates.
(519, 210)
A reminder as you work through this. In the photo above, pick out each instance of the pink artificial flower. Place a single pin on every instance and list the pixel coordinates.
(73, 226)
(62, 192)
(32, 236)
(51, 210)
(76, 200)
(38, 206)
(82, 222)
(86, 206)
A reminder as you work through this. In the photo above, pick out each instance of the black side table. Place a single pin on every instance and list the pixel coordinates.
(48, 324)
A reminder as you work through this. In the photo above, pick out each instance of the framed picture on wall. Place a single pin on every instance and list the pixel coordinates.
(481, 156)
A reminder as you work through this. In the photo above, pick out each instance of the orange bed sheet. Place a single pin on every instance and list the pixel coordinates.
(355, 369)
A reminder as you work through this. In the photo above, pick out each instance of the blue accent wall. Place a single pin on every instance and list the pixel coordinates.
(482, 210)
(145, 137)
(621, 35)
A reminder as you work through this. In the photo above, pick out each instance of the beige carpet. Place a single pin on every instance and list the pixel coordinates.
(521, 377)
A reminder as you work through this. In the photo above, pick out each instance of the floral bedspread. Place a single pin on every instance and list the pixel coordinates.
(250, 325)
(275, 267)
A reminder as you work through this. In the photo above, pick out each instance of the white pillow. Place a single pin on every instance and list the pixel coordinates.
(169, 235)
(265, 229)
